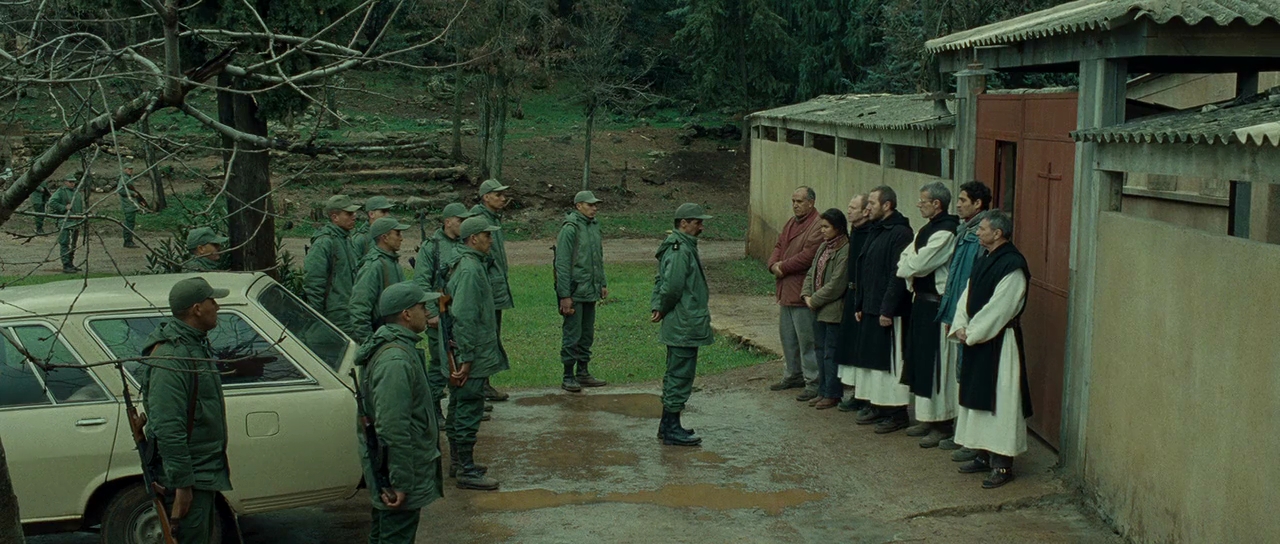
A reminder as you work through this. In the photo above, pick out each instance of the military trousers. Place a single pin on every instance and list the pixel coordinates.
(437, 369)
(677, 384)
(394, 526)
(67, 243)
(466, 407)
(38, 207)
(130, 223)
(197, 526)
(577, 335)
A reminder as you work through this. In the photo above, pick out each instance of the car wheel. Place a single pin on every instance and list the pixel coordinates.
(130, 518)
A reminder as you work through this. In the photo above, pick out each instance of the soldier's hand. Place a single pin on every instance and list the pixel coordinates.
(462, 374)
(604, 292)
(393, 499)
(656, 317)
(566, 306)
(433, 322)
(858, 316)
(886, 321)
(181, 503)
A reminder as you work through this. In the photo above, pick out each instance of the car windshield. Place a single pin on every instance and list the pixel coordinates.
(329, 344)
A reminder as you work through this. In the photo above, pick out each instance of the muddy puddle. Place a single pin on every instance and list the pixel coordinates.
(640, 405)
(708, 496)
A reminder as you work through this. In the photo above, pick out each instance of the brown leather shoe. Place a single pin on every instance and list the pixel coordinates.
(998, 477)
(826, 403)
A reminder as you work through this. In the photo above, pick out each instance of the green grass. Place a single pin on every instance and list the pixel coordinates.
(626, 347)
(745, 276)
(647, 225)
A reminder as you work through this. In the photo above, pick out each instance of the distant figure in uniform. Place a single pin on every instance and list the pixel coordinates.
(679, 302)
(379, 270)
(39, 198)
(431, 272)
(580, 283)
(130, 202)
(376, 207)
(329, 268)
(68, 201)
(493, 199)
(205, 246)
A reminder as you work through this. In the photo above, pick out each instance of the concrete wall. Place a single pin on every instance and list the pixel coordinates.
(1209, 218)
(1181, 437)
(778, 168)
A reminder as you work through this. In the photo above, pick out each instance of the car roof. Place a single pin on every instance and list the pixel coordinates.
(116, 293)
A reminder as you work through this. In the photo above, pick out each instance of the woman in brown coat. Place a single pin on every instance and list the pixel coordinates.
(823, 293)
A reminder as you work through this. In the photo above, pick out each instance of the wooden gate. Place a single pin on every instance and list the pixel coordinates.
(1025, 153)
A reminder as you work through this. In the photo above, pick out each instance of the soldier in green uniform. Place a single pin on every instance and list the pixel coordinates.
(679, 302)
(329, 269)
(206, 248)
(39, 198)
(397, 397)
(67, 201)
(128, 204)
(493, 198)
(580, 283)
(376, 207)
(379, 270)
(478, 353)
(186, 416)
(430, 273)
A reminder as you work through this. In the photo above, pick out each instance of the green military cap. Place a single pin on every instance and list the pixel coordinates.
(70, 177)
(192, 291)
(378, 202)
(384, 225)
(585, 196)
(489, 186)
(455, 209)
(340, 202)
(202, 236)
(475, 225)
(402, 296)
(689, 210)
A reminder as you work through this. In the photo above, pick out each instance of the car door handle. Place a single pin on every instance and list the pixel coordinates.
(91, 422)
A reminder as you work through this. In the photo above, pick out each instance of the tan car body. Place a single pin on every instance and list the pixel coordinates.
(290, 443)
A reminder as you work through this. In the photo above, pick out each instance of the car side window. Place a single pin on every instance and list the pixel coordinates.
(66, 385)
(19, 385)
(248, 357)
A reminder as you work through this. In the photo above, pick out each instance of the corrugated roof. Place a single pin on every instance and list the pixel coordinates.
(1087, 15)
(875, 111)
(1253, 123)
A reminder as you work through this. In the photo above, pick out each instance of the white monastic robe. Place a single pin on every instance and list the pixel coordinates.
(1005, 431)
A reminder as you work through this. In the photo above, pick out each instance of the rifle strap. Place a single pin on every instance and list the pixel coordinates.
(373, 359)
(191, 402)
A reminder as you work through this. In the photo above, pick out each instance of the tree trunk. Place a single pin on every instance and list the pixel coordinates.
(586, 147)
(10, 519)
(149, 155)
(458, 79)
(500, 129)
(250, 224)
(486, 123)
(226, 115)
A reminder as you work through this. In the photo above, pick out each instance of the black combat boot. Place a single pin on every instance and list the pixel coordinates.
(570, 384)
(470, 476)
(585, 378)
(672, 434)
(662, 426)
(455, 464)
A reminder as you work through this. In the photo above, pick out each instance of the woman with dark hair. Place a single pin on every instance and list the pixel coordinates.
(823, 292)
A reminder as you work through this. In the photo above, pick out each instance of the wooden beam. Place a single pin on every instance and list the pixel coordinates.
(937, 138)
(1241, 162)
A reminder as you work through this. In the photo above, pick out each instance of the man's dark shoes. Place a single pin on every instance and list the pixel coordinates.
(131, 245)
(673, 434)
(494, 395)
(918, 430)
(455, 463)
(470, 475)
(998, 477)
(807, 395)
(895, 422)
(788, 383)
(851, 405)
(70, 270)
(587, 380)
(571, 385)
(868, 415)
(974, 466)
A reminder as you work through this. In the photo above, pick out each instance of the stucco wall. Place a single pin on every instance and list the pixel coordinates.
(778, 168)
(1182, 432)
(1205, 217)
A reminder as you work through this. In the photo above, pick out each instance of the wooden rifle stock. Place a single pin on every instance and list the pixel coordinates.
(137, 424)
(446, 339)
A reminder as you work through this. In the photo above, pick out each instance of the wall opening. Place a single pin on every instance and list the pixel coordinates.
(862, 150)
(769, 133)
(795, 137)
(824, 143)
(1006, 176)
(923, 160)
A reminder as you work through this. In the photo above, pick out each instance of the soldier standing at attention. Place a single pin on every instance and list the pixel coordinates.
(478, 353)
(379, 270)
(128, 204)
(39, 198)
(329, 268)
(206, 248)
(67, 201)
(376, 207)
(186, 415)
(397, 397)
(679, 302)
(580, 283)
(431, 272)
(493, 198)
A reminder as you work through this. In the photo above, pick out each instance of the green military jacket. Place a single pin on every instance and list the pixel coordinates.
(431, 268)
(379, 270)
(475, 323)
(397, 397)
(329, 272)
(197, 460)
(680, 293)
(39, 197)
(360, 241)
(66, 201)
(498, 261)
(200, 264)
(579, 259)
(127, 203)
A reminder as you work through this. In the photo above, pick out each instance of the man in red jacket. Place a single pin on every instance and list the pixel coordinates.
(791, 258)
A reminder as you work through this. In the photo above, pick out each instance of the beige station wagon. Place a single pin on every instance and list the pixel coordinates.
(71, 455)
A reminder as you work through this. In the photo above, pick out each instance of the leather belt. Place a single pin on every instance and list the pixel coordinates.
(928, 297)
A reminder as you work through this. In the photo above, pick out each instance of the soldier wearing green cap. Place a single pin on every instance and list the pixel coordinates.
(205, 246)
(430, 273)
(679, 302)
(376, 207)
(186, 415)
(39, 198)
(67, 201)
(129, 204)
(379, 270)
(397, 397)
(493, 198)
(478, 354)
(329, 269)
(580, 283)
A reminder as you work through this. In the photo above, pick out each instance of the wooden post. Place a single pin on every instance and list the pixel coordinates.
(968, 88)
(1101, 103)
